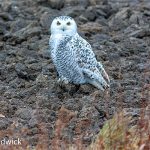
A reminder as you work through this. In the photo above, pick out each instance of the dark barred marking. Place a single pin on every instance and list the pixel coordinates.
(64, 17)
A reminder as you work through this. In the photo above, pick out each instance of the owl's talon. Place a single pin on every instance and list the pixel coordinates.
(62, 81)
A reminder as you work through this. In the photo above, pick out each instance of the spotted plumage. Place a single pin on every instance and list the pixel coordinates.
(64, 18)
(73, 56)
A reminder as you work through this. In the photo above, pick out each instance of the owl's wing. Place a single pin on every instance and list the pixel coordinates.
(52, 48)
(87, 60)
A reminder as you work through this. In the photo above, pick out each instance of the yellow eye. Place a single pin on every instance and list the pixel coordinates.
(58, 23)
(68, 23)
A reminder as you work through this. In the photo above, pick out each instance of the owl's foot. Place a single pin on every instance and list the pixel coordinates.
(62, 82)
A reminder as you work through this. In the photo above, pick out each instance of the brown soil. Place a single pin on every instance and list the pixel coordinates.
(29, 99)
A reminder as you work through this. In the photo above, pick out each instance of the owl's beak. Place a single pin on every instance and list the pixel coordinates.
(63, 28)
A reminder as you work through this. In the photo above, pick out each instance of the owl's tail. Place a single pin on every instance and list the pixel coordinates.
(96, 79)
(100, 85)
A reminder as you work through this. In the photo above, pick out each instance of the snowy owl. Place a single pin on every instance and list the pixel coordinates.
(73, 57)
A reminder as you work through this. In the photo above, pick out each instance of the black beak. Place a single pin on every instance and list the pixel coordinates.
(63, 29)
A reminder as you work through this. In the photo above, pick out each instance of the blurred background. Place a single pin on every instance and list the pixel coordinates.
(31, 108)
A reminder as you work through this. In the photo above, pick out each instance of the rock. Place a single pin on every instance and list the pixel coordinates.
(4, 106)
(73, 104)
(29, 31)
(33, 122)
(101, 2)
(5, 16)
(21, 71)
(67, 134)
(33, 140)
(101, 38)
(120, 19)
(47, 18)
(146, 13)
(4, 123)
(132, 112)
(10, 93)
(28, 71)
(41, 79)
(123, 14)
(3, 88)
(33, 46)
(75, 11)
(140, 33)
(100, 13)
(65, 115)
(45, 53)
(1, 45)
(114, 85)
(90, 14)
(18, 25)
(82, 19)
(129, 82)
(40, 1)
(91, 27)
(55, 104)
(103, 55)
(33, 131)
(24, 113)
(146, 6)
(3, 56)
(143, 67)
(104, 10)
(59, 4)
(73, 3)
(35, 67)
(136, 18)
(113, 57)
(32, 60)
(87, 139)
(84, 113)
(3, 27)
(26, 93)
(102, 21)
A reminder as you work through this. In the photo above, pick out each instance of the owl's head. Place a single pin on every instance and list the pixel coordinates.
(63, 25)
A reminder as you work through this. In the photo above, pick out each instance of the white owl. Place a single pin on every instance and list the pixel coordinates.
(73, 56)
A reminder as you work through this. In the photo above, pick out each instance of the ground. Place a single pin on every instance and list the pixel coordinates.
(31, 103)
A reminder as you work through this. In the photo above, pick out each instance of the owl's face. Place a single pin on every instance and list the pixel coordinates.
(63, 25)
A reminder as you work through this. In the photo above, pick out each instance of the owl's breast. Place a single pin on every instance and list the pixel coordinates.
(65, 60)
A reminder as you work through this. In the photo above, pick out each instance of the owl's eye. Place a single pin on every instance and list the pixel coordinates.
(68, 23)
(58, 23)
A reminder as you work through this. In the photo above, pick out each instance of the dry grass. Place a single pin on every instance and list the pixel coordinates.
(118, 133)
